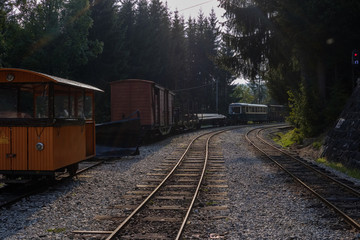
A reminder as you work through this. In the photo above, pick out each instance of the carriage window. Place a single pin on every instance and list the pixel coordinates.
(8, 103)
(41, 107)
(88, 107)
(61, 103)
(68, 103)
(80, 105)
(26, 104)
(41, 101)
(17, 102)
(236, 109)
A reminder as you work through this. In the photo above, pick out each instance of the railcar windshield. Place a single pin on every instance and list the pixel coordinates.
(32, 101)
(235, 110)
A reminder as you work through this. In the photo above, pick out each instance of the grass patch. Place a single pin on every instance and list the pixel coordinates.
(56, 230)
(355, 173)
(290, 138)
(211, 203)
(317, 145)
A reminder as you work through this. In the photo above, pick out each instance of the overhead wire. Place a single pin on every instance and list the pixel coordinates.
(199, 4)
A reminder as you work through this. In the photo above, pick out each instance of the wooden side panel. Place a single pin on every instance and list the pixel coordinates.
(170, 108)
(130, 95)
(69, 145)
(5, 163)
(19, 148)
(162, 107)
(41, 160)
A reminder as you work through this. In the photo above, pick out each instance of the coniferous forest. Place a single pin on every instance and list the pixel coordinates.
(97, 42)
(299, 50)
(302, 49)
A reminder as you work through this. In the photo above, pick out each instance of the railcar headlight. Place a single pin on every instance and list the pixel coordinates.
(39, 146)
(10, 77)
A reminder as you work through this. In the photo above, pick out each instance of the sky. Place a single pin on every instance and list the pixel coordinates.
(191, 8)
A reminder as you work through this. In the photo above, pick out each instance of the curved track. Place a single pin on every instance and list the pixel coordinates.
(172, 192)
(12, 194)
(340, 195)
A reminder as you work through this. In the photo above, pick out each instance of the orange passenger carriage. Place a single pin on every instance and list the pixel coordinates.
(46, 123)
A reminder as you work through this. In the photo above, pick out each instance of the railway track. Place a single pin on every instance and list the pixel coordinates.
(13, 193)
(339, 195)
(171, 193)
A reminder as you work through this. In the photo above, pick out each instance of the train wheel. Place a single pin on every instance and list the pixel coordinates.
(165, 130)
(72, 169)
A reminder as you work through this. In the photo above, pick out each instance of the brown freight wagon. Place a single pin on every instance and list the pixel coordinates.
(46, 123)
(154, 103)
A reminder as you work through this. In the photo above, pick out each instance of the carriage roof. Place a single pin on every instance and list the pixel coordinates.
(247, 105)
(17, 75)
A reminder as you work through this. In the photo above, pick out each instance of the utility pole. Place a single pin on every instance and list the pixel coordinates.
(217, 96)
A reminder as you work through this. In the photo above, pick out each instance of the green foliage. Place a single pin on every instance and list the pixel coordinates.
(242, 93)
(51, 37)
(306, 112)
(297, 46)
(352, 172)
(290, 138)
(317, 145)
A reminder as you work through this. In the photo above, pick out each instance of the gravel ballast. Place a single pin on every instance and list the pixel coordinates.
(263, 202)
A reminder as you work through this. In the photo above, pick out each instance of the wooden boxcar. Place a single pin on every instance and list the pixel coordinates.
(46, 123)
(154, 103)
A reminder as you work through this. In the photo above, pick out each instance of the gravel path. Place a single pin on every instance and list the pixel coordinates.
(259, 195)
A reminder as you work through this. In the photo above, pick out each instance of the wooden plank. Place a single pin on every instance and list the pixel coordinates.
(215, 169)
(211, 208)
(178, 193)
(147, 236)
(217, 186)
(170, 207)
(215, 161)
(190, 170)
(146, 186)
(215, 165)
(172, 197)
(217, 194)
(91, 232)
(128, 207)
(153, 180)
(162, 219)
(181, 186)
(215, 174)
(187, 174)
(106, 217)
(156, 174)
(216, 180)
(217, 198)
(132, 196)
(161, 169)
(139, 192)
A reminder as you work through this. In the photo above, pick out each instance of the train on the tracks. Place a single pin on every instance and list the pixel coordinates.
(242, 113)
(47, 123)
(155, 104)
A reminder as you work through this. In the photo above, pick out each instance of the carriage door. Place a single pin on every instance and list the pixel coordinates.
(14, 104)
(13, 148)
